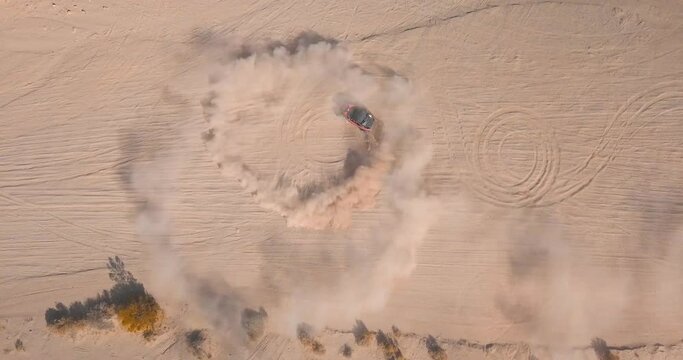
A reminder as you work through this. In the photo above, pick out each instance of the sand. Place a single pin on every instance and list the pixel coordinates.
(520, 198)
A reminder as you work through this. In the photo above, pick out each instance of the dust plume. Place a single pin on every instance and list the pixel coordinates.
(553, 296)
(271, 95)
(561, 302)
(266, 97)
(367, 284)
(152, 178)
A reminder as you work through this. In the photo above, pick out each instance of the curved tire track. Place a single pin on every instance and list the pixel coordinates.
(545, 184)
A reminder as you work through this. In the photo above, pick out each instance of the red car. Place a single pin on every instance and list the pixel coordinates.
(359, 116)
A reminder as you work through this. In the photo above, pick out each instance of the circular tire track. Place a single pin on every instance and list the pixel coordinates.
(272, 126)
(544, 184)
(504, 190)
(306, 160)
(623, 34)
(636, 109)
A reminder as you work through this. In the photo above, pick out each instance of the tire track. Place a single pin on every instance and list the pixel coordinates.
(438, 21)
(545, 184)
(25, 204)
(271, 346)
(273, 92)
(302, 162)
(608, 148)
(536, 183)
(53, 274)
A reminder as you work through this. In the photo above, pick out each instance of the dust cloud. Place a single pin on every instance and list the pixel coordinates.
(259, 90)
(560, 302)
(253, 89)
(153, 179)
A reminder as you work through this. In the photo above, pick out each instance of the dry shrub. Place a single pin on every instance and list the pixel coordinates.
(361, 333)
(346, 350)
(127, 299)
(195, 340)
(254, 322)
(142, 315)
(389, 346)
(19, 345)
(602, 351)
(94, 312)
(303, 333)
(435, 351)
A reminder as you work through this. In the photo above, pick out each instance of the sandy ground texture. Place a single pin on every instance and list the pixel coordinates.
(519, 198)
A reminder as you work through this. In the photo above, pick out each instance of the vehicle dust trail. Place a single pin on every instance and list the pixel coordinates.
(253, 87)
(366, 285)
(152, 180)
(561, 303)
(395, 162)
(255, 91)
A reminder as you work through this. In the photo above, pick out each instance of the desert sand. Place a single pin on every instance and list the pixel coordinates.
(519, 198)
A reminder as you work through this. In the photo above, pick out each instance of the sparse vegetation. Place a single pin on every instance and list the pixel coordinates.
(389, 346)
(19, 345)
(118, 272)
(140, 315)
(346, 350)
(395, 331)
(93, 311)
(303, 332)
(254, 322)
(435, 350)
(601, 350)
(137, 310)
(195, 340)
(361, 333)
